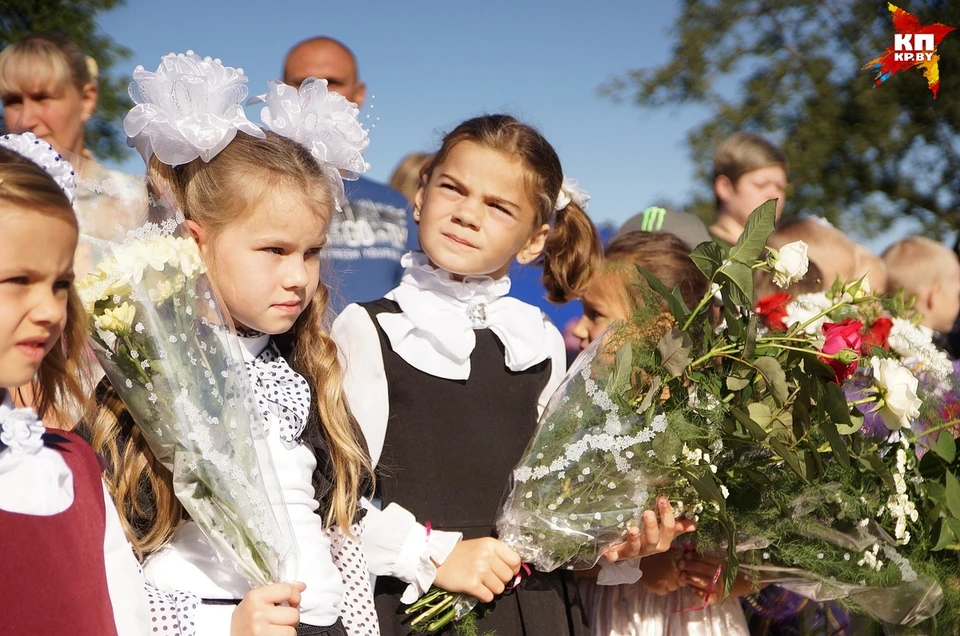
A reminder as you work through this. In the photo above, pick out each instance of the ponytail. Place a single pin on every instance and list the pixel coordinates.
(572, 254)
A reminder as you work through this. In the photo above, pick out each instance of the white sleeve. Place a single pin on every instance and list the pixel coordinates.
(558, 358)
(125, 583)
(364, 378)
(396, 545)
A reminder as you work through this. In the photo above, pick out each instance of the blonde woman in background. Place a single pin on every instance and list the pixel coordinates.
(406, 176)
(49, 87)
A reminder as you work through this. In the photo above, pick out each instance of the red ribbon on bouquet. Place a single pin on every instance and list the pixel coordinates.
(688, 548)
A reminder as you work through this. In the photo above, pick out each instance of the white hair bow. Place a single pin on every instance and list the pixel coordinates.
(570, 191)
(324, 122)
(189, 107)
(41, 153)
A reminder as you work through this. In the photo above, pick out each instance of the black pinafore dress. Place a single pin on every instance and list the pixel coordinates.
(449, 448)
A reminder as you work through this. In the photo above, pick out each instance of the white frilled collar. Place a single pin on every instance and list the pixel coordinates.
(435, 331)
(34, 479)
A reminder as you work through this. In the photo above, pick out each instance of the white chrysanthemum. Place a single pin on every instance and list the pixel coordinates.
(918, 350)
(803, 308)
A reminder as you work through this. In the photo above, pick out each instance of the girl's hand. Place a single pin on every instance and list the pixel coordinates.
(661, 574)
(479, 567)
(651, 539)
(698, 571)
(260, 613)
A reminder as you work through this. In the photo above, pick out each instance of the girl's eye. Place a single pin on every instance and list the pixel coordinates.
(501, 209)
(63, 284)
(450, 186)
(314, 251)
(17, 280)
(274, 250)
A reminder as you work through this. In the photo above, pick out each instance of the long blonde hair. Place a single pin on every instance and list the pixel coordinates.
(59, 380)
(216, 194)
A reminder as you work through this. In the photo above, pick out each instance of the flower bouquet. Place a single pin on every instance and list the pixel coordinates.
(760, 434)
(158, 332)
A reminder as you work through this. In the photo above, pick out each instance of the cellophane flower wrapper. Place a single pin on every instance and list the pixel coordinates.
(159, 332)
(589, 470)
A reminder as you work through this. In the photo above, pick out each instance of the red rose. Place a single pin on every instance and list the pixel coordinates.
(838, 337)
(876, 334)
(773, 309)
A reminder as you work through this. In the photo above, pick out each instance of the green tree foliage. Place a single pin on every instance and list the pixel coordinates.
(77, 19)
(790, 69)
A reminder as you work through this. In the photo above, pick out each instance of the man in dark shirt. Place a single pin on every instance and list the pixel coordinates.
(375, 228)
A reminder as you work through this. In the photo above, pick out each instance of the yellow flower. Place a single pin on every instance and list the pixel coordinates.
(116, 320)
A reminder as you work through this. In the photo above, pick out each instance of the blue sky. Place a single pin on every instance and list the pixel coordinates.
(430, 64)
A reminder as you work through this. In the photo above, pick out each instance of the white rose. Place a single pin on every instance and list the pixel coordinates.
(898, 389)
(790, 264)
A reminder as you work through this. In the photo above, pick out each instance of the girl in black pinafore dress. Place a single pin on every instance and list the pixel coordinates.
(447, 375)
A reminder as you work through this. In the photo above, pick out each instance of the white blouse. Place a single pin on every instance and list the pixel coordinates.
(435, 335)
(35, 480)
(188, 562)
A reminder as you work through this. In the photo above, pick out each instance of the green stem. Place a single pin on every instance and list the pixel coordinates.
(703, 303)
(714, 353)
(936, 429)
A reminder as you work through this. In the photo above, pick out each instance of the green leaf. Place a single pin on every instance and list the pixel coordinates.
(707, 488)
(876, 464)
(736, 383)
(945, 446)
(944, 535)
(836, 403)
(930, 467)
(953, 494)
(675, 349)
(675, 303)
(761, 414)
(792, 460)
(856, 423)
(708, 257)
(775, 378)
(623, 369)
(750, 337)
(837, 444)
(756, 231)
(754, 429)
(732, 318)
(737, 280)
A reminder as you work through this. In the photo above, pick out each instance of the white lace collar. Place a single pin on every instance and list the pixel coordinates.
(435, 331)
(34, 479)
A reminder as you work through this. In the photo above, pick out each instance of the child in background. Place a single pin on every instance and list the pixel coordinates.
(928, 272)
(747, 170)
(872, 266)
(447, 376)
(670, 581)
(258, 204)
(827, 246)
(68, 568)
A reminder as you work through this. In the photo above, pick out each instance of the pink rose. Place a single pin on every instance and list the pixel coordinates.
(842, 336)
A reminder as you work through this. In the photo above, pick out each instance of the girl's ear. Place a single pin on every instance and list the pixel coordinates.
(200, 234)
(418, 201)
(534, 245)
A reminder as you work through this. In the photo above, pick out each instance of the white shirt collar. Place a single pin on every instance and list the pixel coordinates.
(435, 331)
(253, 347)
